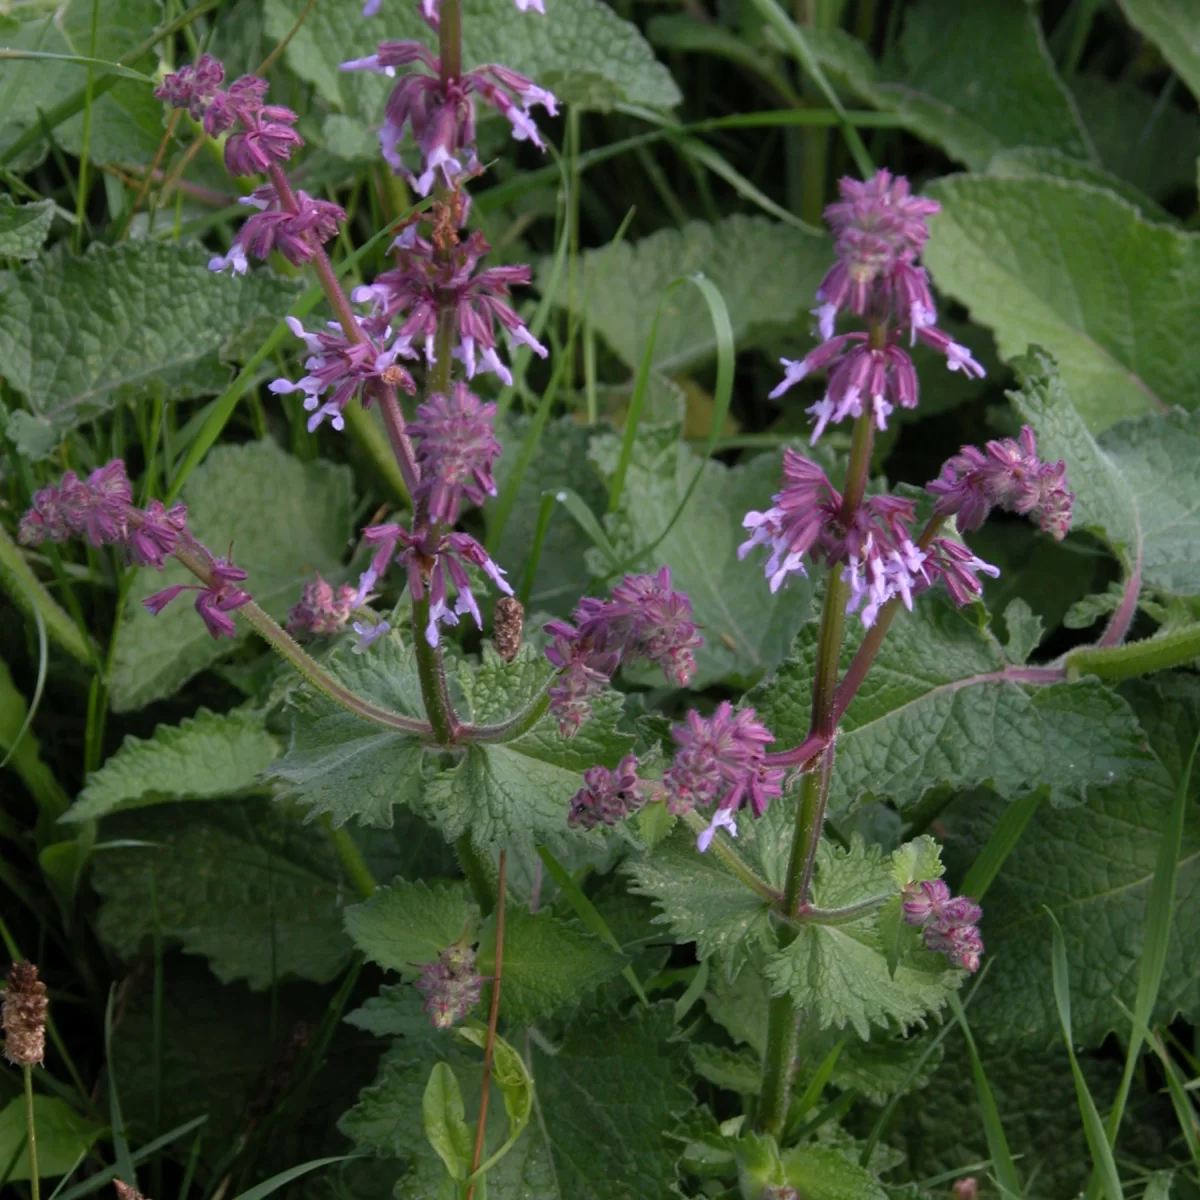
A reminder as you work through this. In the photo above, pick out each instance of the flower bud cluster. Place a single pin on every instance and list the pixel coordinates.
(947, 923)
(322, 608)
(645, 620)
(610, 796)
(450, 985)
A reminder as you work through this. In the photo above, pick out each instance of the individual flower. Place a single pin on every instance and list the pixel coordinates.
(426, 281)
(322, 608)
(1006, 474)
(948, 923)
(609, 796)
(214, 602)
(153, 533)
(296, 232)
(442, 114)
(456, 449)
(645, 620)
(23, 1016)
(431, 561)
(721, 760)
(368, 634)
(344, 368)
(959, 569)
(451, 986)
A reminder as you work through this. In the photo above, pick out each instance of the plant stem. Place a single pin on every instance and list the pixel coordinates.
(351, 858)
(782, 1025)
(493, 1019)
(31, 1126)
(431, 671)
(478, 872)
(450, 40)
(1118, 627)
(734, 861)
(810, 820)
(510, 729)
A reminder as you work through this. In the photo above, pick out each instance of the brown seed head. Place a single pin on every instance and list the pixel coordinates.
(24, 1016)
(507, 627)
(125, 1192)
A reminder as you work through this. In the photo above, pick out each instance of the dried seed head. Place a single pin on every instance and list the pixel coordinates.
(509, 623)
(125, 1192)
(24, 1016)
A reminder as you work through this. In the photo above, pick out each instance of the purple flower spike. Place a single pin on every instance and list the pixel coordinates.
(296, 235)
(322, 609)
(193, 87)
(451, 986)
(720, 760)
(215, 603)
(584, 672)
(98, 509)
(1008, 474)
(456, 450)
(609, 796)
(948, 923)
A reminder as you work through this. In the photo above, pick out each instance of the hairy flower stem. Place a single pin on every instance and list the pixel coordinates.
(450, 39)
(783, 1022)
(493, 1019)
(31, 1127)
(733, 860)
(351, 858)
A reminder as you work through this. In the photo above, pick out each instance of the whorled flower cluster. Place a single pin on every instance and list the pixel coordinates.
(451, 986)
(645, 620)
(948, 924)
(721, 760)
(441, 113)
(322, 609)
(608, 797)
(879, 230)
(100, 510)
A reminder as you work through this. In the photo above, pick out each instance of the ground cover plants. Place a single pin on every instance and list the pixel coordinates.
(599, 600)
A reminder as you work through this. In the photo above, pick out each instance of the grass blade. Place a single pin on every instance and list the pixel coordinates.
(264, 1189)
(1093, 1127)
(1000, 845)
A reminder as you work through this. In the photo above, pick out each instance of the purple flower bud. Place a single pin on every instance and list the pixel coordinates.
(584, 671)
(923, 900)
(1008, 474)
(270, 140)
(154, 534)
(609, 796)
(456, 450)
(322, 609)
(213, 603)
(450, 986)
(948, 923)
(192, 87)
(720, 760)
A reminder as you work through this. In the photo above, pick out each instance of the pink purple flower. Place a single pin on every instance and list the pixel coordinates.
(344, 368)
(193, 86)
(294, 232)
(948, 923)
(369, 634)
(451, 986)
(431, 562)
(426, 281)
(456, 449)
(584, 672)
(720, 760)
(1007, 474)
(959, 568)
(213, 602)
(322, 608)
(609, 796)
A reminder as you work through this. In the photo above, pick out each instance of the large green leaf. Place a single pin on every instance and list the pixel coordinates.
(1135, 486)
(766, 272)
(1078, 270)
(249, 887)
(63, 1137)
(284, 519)
(1174, 26)
(942, 705)
(342, 765)
(406, 925)
(24, 227)
(746, 630)
(79, 334)
(580, 50)
(602, 1099)
(1092, 867)
(205, 757)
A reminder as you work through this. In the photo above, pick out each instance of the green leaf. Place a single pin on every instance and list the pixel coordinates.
(205, 757)
(581, 50)
(248, 887)
(1093, 867)
(942, 706)
(1135, 486)
(63, 1137)
(700, 901)
(838, 974)
(340, 764)
(24, 227)
(974, 79)
(825, 1173)
(77, 335)
(1063, 265)
(548, 963)
(1174, 26)
(406, 925)
(228, 499)
(511, 1076)
(603, 1096)
(444, 1118)
(766, 272)
(746, 630)
(1024, 631)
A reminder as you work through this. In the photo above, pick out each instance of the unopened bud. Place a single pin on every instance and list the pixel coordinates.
(966, 1188)
(24, 1016)
(450, 986)
(509, 623)
(125, 1192)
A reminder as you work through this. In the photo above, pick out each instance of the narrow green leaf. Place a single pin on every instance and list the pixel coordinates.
(266, 1188)
(1004, 837)
(444, 1116)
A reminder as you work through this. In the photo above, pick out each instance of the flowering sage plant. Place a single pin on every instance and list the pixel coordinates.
(665, 814)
